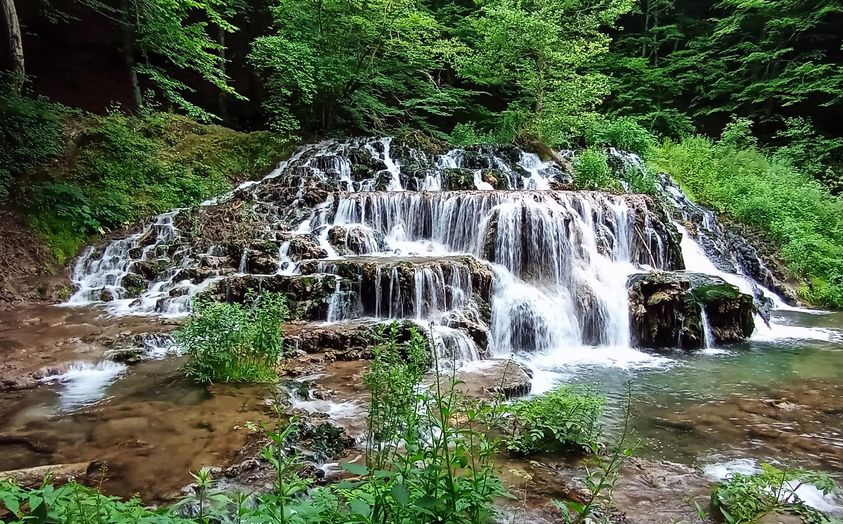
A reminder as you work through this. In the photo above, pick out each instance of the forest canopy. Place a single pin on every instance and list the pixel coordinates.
(662, 78)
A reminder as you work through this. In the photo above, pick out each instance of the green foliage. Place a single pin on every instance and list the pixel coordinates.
(738, 134)
(114, 170)
(74, 502)
(812, 153)
(168, 35)
(543, 52)
(772, 197)
(743, 499)
(623, 133)
(562, 419)
(428, 456)
(31, 134)
(592, 171)
(360, 65)
(227, 342)
(601, 480)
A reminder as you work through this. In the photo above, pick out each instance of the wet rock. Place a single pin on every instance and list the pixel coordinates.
(459, 179)
(347, 340)
(307, 295)
(214, 262)
(355, 240)
(495, 178)
(125, 356)
(472, 321)
(495, 377)
(106, 295)
(148, 269)
(305, 247)
(323, 439)
(133, 285)
(667, 310)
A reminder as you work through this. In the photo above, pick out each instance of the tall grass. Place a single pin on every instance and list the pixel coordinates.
(770, 195)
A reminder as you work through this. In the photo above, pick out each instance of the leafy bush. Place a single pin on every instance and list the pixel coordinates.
(623, 133)
(770, 196)
(232, 342)
(117, 169)
(592, 171)
(31, 134)
(743, 499)
(74, 502)
(813, 154)
(564, 418)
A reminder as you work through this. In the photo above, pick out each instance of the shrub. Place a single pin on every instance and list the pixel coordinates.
(623, 133)
(31, 134)
(813, 154)
(564, 418)
(592, 171)
(233, 342)
(742, 499)
(770, 196)
(74, 502)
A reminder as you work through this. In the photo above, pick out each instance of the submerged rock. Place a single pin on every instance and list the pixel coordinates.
(670, 309)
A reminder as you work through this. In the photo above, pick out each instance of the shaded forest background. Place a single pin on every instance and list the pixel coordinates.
(130, 107)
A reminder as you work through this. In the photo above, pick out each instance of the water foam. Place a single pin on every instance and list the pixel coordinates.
(85, 383)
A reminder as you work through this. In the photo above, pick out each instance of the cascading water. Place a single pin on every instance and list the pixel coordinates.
(511, 258)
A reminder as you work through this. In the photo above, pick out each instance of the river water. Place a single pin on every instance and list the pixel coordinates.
(558, 262)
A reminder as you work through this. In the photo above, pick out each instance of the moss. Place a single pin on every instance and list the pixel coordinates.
(118, 169)
(457, 179)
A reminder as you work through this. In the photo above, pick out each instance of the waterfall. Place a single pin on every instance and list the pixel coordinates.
(528, 268)
(708, 336)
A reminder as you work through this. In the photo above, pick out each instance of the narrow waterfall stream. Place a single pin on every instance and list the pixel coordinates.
(488, 251)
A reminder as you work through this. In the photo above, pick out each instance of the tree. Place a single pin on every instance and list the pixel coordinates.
(543, 52)
(160, 36)
(365, 65)
(11, 27)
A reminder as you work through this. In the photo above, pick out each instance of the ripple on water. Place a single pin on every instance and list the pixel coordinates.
(85, 383)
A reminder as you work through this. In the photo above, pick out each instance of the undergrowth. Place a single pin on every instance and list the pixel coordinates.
(77, 175)
(769, 195)
(229, 342)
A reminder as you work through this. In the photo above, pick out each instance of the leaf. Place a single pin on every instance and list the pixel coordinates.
(355, 469)
(12, 504)
(400, 494)
(360, 507)
(34, 502)
(384, 474)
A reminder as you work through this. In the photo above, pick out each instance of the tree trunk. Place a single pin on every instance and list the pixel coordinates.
(221, 96)
(127, 34)
(12, 31)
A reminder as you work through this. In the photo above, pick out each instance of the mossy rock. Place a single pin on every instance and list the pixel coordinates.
(458, 179)
(666, 310)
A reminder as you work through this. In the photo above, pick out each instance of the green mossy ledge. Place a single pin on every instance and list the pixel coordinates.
(666, 310)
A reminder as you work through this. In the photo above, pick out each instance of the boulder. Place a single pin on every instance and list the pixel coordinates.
(459, 179)
(487, 378)
(353, 340)
(307, 295)
(355, 240)
(668, 310)
(305, 247)
(133, 285)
